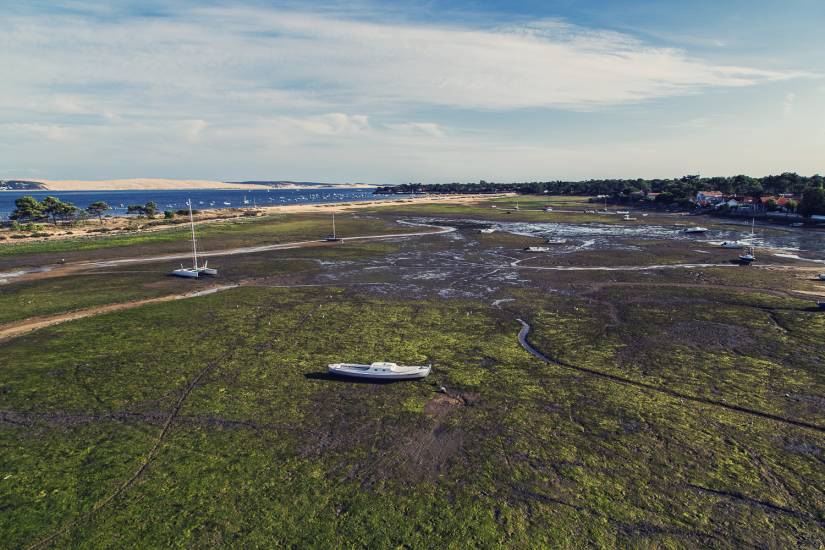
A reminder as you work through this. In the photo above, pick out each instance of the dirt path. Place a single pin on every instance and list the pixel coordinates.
(63, 270)
(14, 330)
(525, 331)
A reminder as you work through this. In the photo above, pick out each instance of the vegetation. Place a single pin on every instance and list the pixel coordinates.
(672, 190)
(98, 208)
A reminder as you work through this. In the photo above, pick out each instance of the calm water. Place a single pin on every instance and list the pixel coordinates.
(202, 199)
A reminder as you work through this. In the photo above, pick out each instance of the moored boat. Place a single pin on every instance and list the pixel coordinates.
(748, 257)
(695, 229)
(732, 244)
(380, 371)
(194, 271)
(536, 249)
(487, 230)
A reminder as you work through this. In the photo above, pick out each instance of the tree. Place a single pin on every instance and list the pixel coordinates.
(150, 209)
(27, 209)
(98, 209)
(813, 202)
(53, 207)
(66, 211)
(791, 205)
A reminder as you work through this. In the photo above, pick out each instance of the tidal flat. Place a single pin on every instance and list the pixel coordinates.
(677, 407)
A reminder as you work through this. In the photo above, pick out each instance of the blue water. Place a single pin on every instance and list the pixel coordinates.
(202, 199)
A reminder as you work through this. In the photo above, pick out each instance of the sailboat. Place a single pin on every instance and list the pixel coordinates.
(194, 271)
(334, 237)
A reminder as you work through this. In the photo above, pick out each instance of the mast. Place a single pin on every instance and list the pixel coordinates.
(333, 224)
(194, 246)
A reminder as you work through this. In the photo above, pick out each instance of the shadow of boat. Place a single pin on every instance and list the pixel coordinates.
(326, 376)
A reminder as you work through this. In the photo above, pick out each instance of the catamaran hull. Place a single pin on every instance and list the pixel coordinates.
(187, 273)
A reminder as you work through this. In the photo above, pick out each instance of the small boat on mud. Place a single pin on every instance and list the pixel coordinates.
(487, 230)
(822, 276)
(627, 218)
(732, 244)
(821, 305)
(748, 257)
(536, 249)
(380, 371)
(556, 241)
(334, 238)
(695, 229)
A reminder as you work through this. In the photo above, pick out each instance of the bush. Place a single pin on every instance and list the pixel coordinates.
(185, 212)
(168, 214)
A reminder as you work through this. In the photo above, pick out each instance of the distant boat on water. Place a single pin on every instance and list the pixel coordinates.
(194, 271)
(380, 371)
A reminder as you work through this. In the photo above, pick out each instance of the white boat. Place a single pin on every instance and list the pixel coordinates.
(194, 271)
(487, 230)
(623, 212)
(694, 229)
(380, 371)
(732, 244)
(627, 218)
(822, 276)
(748, 257)
(548, 208)
(556, 241)
(227, 203)
(797, 224)
(537, 249)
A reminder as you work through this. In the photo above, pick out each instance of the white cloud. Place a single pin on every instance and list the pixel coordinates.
(788, 103)
(426, 128)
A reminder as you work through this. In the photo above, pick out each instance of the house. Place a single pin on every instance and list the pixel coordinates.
(706, 198)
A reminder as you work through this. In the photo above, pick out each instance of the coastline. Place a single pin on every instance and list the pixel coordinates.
(122, 225)
(165, 184)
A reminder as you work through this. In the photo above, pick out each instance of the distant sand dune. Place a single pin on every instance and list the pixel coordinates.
(161, 183)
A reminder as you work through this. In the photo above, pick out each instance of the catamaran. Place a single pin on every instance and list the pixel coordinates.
(381, 371)
(194, 271)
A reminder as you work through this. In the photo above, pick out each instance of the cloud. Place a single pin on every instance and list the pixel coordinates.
(788, 103)
(421, 128)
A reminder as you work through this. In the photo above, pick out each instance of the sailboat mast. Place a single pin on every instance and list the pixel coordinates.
(333, 224)
(194, 246)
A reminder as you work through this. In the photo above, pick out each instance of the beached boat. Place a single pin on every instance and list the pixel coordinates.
(732, 244)
(695, 229)
(548, 208)
(333, 238)
(487, 230)
(822, 276)
(194, 271)
(748, 257)
(556, 241)
(536, 249)
(380, 371)
(821, 305)
(797, 224)
(623, 212)
(627, 218)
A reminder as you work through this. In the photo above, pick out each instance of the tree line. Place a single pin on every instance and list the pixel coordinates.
(29, 209)
(674, 191)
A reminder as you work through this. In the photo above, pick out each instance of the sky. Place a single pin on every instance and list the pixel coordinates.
(425, 91)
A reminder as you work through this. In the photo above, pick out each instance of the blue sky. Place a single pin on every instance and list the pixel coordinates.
(388, 92)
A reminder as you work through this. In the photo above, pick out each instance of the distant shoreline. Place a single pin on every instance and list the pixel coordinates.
(159, 184)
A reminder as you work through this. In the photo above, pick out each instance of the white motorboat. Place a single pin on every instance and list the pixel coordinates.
(822, 276)
(748, 257)
(194, 271)
(732, 244)
(556, 241)
(694, 229)
(487, 230)
(548, 208)
(623, 212)
(627, 218)
(380, 371)
(537, 249)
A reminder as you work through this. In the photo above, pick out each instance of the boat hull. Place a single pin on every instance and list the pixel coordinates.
(365, 372)
(186, 273)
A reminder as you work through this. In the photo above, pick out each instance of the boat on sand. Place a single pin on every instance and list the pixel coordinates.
(380, 371)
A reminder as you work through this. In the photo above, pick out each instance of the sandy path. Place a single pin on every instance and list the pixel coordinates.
(13, 330)
(62, 270)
